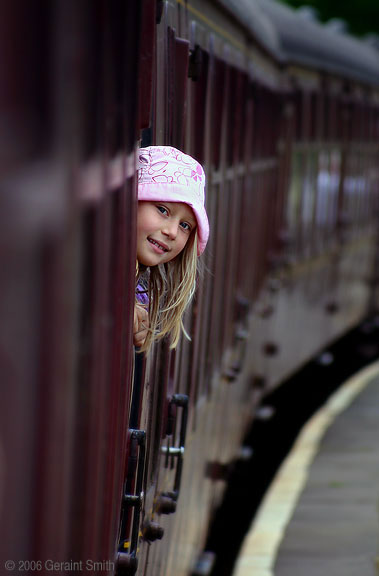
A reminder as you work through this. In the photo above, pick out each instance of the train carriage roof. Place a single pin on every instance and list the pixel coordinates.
(291, 39)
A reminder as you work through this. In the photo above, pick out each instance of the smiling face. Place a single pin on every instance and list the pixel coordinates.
(163, 230)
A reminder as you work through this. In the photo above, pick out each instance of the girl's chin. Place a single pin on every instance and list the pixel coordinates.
(149, 260)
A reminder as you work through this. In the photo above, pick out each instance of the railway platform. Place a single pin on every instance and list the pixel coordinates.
(320, 514)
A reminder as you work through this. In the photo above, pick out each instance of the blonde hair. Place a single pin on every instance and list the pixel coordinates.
(171, 288)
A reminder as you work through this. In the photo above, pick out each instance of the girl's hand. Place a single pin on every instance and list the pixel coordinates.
(141, 325)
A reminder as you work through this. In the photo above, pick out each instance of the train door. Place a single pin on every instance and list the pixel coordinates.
(67, 210)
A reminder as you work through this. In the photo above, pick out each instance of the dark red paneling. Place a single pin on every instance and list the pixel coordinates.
(146, 55)
(92, 400)
(120, 376)
(26, 54)
(68, 293)
(54, 407)
(36, 366)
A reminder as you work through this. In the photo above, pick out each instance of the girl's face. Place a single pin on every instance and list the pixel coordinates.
(163, 229)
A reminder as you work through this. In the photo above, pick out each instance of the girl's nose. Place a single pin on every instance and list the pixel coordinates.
(171, 229)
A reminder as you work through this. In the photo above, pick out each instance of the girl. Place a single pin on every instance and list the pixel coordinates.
(172, 231)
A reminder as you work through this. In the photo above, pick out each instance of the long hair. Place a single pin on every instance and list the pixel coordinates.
(171, 288)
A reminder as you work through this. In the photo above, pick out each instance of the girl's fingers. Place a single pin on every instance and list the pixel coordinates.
(141, 324)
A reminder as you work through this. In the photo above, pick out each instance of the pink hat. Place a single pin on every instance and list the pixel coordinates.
(166, 174)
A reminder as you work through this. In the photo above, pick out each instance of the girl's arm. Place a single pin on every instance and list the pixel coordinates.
(141, 325)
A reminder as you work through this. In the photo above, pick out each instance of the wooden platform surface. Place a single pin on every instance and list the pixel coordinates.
(320, 516)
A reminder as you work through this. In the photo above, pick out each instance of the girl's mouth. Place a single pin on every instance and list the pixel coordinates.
(161, 247)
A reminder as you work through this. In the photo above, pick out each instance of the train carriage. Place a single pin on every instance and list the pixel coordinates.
(108, 460)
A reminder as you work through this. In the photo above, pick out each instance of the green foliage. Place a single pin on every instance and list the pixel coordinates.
(361, 16)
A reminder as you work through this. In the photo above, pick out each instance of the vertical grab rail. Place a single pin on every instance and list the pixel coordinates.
(127, 561)
(180, 400)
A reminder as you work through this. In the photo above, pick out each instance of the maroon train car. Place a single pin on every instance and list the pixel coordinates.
(111, 463)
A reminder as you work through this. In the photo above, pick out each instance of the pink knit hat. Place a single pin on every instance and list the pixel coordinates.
(166, 174)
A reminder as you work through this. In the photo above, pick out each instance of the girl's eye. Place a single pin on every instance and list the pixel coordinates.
(186, 226)
(163, 210)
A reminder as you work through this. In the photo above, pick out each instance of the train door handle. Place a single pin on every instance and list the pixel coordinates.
(177, 452)
(127, 562)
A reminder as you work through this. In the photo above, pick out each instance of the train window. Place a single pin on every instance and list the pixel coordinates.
(309, 202)
(247, 238)
(171, 84)
(242, 107)
(294, 196)
(258, 121)
(203, 307)
(216, 108)
(312, 103)
(179, 108)
(231, 255)
(110, 50)
(236, 116)
(331, 118)
(146, 59)
(92, 95)
(355, 121)
(199, 88)
(266, 125)
(323, 199)
(197, 353)
(297, 100)
(244, 252)
(342, 114)
(234, 188)
(219, 261)
(161, 367)
(122, 42)
(233, 116)
(320, 127)
(175, 96)
(263, 182)
(376, 124)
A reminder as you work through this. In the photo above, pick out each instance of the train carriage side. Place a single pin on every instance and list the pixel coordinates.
(213, 113)
(104, 454)
(271, 135)
(68, 145)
